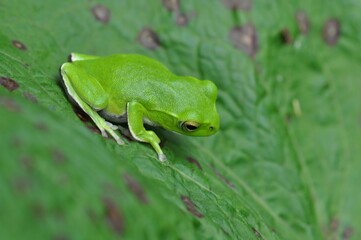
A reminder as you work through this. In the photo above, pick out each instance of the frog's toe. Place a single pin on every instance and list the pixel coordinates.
(119, 141)
(116, 137)
(112, 126)
(162, 157)
(104, 134)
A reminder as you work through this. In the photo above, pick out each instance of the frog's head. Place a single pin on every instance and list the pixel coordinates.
(201, 118)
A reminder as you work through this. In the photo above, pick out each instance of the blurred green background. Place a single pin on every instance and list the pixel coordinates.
(285, 164)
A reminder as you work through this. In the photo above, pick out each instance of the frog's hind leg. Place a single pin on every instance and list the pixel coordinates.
(89, 95)
(78, 57)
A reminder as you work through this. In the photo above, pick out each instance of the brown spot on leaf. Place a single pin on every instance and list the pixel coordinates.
(347, 233)
(258, 234)
(225, 180)
(331, 31)
(9, 84)
(334, 224)
(16, 142)
(286, 36)
(191, 206)
(41, 126)
(195, 162)
(58, 156)
(303, 23)
(21, 185)
(30, 97)
(288, 118)
(181, 19)
(244, 5)
(9, 104)
(134, 186)
(113, 216)
(18, 45)
(148, 38)
(101, 13)
(171, 5)
(38, 210)
(245, 38)
(58, 213)
(26, 162)
(325, 231)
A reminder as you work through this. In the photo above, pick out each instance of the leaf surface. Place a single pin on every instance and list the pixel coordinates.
(283, 166)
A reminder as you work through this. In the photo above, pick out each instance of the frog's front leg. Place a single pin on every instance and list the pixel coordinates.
(135, 113)
(89, 95)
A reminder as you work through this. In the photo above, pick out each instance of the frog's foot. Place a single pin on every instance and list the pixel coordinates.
(106, 127)
(123, 130)
(115, 136)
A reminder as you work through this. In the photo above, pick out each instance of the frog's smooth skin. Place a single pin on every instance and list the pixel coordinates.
(137, 89)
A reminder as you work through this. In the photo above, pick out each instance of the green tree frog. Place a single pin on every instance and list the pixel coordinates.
(136, 89)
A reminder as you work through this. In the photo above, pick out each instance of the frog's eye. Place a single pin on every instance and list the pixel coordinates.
(190, 126)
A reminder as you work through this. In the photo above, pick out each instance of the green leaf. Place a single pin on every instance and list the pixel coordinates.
(283, 166)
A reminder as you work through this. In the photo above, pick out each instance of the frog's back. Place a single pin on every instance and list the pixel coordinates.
(118, 69)
(139, 78)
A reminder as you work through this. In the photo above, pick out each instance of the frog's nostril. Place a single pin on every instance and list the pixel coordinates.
(211, 128)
